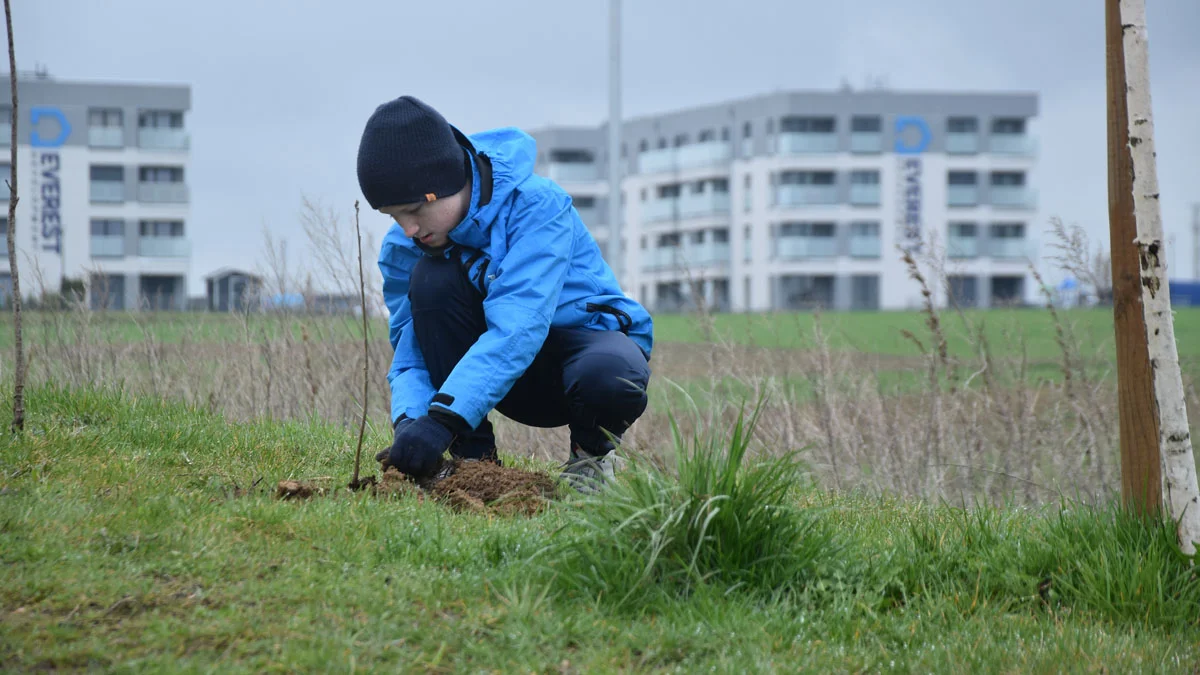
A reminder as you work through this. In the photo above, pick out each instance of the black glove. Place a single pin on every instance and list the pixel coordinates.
(382, 455)
(418, 446)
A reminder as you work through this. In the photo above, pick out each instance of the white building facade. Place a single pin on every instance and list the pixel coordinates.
(103, 192)
(797, 201)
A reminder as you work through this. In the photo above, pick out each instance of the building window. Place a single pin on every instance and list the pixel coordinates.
(724, 133)
(707, 135)
(681, 140)
(572, 156)
(662, 143)
(5, 115)
(108, 228)
(1008, 125)
(864, 177)
(160, 119)
(962, 178)
(824, 230)
(770, 126)
(1008, 178)
(747, 130)
(160, 174)
(105, 117)
(963, 230)
(160, 228)
(669, 240)
(668, 191)
(721, 236)
(806, 178)
(1007, 230)
(115, 174)
(584, 202)
(962, 125)
(864, 229)
(808, 125)
(869, 125)
(644, 145)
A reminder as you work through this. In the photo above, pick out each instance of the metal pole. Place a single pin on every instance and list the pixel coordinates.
(1196, 241)
(615, 212)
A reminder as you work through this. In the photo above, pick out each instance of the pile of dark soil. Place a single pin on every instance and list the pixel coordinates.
(476, 487)
(485, 487)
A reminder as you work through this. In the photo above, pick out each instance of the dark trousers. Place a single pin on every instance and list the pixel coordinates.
(593, 381)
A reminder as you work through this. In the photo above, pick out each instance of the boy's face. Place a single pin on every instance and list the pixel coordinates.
(430, 222)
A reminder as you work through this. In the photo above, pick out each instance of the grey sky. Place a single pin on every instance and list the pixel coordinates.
(280, 90)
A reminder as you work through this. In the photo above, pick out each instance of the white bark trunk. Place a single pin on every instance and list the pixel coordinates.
(1181, 496)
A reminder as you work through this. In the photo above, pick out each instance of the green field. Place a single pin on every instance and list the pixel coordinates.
(128, 545)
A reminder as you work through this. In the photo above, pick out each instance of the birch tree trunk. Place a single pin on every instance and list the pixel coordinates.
(1180, 494)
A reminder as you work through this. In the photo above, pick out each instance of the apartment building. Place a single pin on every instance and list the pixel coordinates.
(801, 200)
(103, 192)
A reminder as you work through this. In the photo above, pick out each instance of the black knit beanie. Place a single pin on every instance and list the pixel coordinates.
(408, 153)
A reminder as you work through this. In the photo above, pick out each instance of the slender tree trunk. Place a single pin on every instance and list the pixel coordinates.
(18, 423)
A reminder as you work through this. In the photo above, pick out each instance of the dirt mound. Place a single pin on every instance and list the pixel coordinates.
(477, 487)
(483, 486)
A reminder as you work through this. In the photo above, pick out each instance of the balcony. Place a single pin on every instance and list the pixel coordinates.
(108, 246)
(572, 172)
(657, 161)
(962, 195)
(805, 195)
(658, 210)
(709, 153)
(962, 247)
(962, 143)
(106, 137)
(866, 142)
(791, 248)
(865, 247)
(712, 253)
(704, 204)
(804, 143)
(673, 257)
(162, 138)
(590, 215)
(1012, 197)
(1012, 144)
(864, 195)
(1009, 247)
(107, 191)
(163, 193)
(163, 247)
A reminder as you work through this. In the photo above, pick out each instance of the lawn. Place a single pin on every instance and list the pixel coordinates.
(133, 538)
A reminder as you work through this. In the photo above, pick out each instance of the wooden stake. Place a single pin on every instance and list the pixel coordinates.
(1156, 450)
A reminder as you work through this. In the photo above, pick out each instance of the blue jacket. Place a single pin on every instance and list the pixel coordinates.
(537, 265)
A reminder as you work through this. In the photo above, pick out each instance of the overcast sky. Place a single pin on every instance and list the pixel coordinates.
(281, 90)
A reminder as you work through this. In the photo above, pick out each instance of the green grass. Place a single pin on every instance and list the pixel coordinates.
(880, 332)
(125, 546)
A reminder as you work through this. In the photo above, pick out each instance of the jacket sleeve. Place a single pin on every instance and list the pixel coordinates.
(408, 376)
(519, 307)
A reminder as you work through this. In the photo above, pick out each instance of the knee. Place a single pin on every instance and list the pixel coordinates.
(435, 283)
(611, 388)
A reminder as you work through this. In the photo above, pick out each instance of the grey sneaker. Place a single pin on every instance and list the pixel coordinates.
(587, 473)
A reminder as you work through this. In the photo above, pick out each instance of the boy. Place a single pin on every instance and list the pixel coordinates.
(499, 298)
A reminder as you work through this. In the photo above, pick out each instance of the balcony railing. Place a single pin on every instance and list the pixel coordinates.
(805, 195)
(792, 247)
(107, 191)
(703, 204)
(804, 143)
(162, 138)
(163, 247)
(572, 172)
(962, 143)
(163, 193)
(106, 137)
(108, 246)
(962, 195)
(865, 247)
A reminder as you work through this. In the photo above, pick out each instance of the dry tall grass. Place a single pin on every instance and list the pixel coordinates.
(984, 427)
